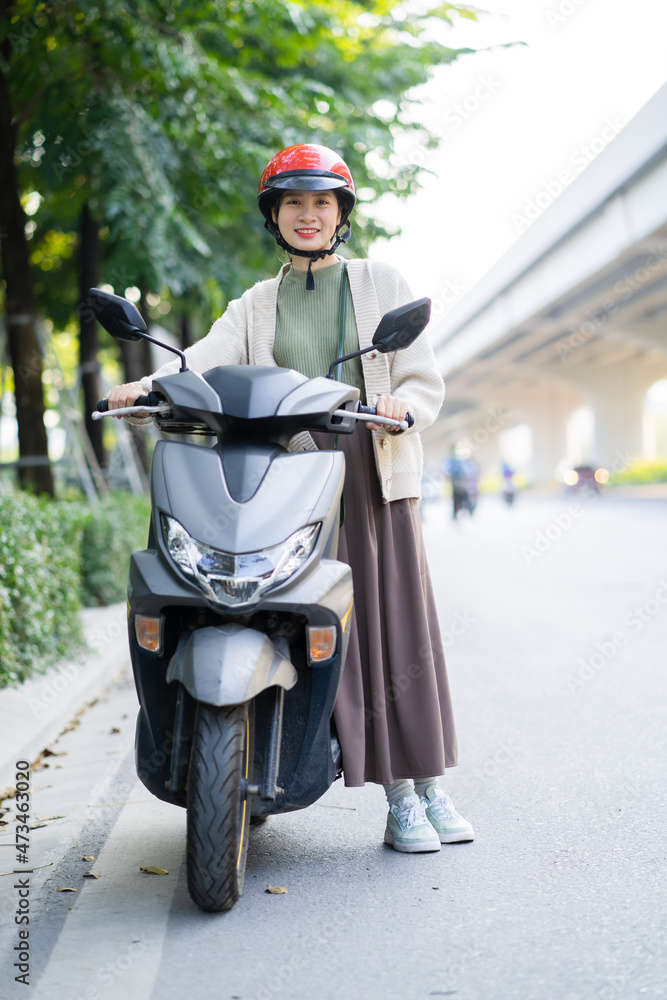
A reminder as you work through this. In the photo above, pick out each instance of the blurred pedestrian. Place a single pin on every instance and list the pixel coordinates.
(463, 474)
(509, 486)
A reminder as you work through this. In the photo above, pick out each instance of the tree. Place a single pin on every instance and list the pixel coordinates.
(88, 341)
(157, 118)
(21, 314)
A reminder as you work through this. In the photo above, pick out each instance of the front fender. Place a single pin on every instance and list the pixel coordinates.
(228, 664)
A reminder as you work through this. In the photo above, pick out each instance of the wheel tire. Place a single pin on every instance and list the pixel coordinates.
(218, 810)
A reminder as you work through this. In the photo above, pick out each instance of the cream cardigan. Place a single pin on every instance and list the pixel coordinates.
(245, 335)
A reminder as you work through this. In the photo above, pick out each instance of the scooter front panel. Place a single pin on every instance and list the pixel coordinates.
(297, 489)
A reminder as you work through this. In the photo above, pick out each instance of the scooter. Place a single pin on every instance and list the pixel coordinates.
(238, 609)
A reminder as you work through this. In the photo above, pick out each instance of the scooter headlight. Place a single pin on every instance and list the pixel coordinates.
(237, 578)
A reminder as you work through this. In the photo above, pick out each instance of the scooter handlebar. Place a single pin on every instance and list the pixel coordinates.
(153, 400)
(149, 399)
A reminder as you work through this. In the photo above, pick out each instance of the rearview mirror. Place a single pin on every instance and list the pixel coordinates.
(118, 316)
(401, 326)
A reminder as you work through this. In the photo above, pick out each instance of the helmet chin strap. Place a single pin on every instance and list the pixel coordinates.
(317, 255)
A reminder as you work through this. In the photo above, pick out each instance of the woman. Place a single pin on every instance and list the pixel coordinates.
(393, 712)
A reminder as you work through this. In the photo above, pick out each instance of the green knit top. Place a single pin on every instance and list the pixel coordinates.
(307, 325)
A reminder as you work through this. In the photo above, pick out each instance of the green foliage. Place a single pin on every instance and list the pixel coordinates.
(57, 557)
(39, 584)
(161, 117)
(116, 528)
(642, 470)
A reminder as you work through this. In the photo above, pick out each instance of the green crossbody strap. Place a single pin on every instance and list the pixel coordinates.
(342, 304)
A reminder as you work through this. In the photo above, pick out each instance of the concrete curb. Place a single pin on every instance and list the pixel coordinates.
(33, 714)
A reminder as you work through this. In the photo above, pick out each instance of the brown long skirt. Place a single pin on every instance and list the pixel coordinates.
(393, 712)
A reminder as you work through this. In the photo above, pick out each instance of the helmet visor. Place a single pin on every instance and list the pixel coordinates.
(313, 180)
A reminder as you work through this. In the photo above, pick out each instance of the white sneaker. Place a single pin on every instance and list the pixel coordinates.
(443, 817)
(408, 830)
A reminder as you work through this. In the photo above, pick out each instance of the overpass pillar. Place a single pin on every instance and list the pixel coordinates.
(548, 425)
(546, 408)
(617, 394)
(619, 426)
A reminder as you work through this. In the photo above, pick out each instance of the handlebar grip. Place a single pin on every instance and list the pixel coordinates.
(372, 411)
(149, 399)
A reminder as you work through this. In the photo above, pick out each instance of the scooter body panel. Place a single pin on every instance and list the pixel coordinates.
(309, 760)
(228, 664)
(294, 489)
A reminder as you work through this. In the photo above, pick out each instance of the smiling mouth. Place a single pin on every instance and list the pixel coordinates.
(306, 232)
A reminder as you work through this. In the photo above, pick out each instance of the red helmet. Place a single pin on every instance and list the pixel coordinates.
(306, 167)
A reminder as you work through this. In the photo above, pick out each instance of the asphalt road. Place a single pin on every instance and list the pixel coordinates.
(555, 619)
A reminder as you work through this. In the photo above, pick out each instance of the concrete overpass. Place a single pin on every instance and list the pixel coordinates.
(574, 315)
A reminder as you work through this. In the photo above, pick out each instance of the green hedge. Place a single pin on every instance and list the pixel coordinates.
(642, 470)
(56, 557)
(40, 555)
(116, 527)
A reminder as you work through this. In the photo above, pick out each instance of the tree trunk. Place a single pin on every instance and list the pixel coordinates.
(136, 361)
(186, 333)
(147, 358)
(24, 351)
(88, 340)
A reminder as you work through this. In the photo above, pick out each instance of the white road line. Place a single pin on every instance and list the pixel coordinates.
(111, 942)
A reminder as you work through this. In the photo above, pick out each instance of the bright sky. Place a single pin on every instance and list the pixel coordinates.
(512, 120)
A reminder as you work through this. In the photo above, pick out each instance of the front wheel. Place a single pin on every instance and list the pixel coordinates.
(218, 805)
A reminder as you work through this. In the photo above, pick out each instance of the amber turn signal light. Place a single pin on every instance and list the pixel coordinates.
(321, 643)
(149, 632)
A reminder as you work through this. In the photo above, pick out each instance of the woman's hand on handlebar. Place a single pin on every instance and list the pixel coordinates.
(125, 395)
(389, 406)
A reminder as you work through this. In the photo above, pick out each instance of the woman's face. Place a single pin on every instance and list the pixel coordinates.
(308, 219)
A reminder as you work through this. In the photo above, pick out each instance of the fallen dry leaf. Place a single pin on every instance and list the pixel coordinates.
(115, 729)
(154, 870)
(88, 857)
(66, 888)
(70, 726)
(91, 874)
(48, 752)
(276, 890)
